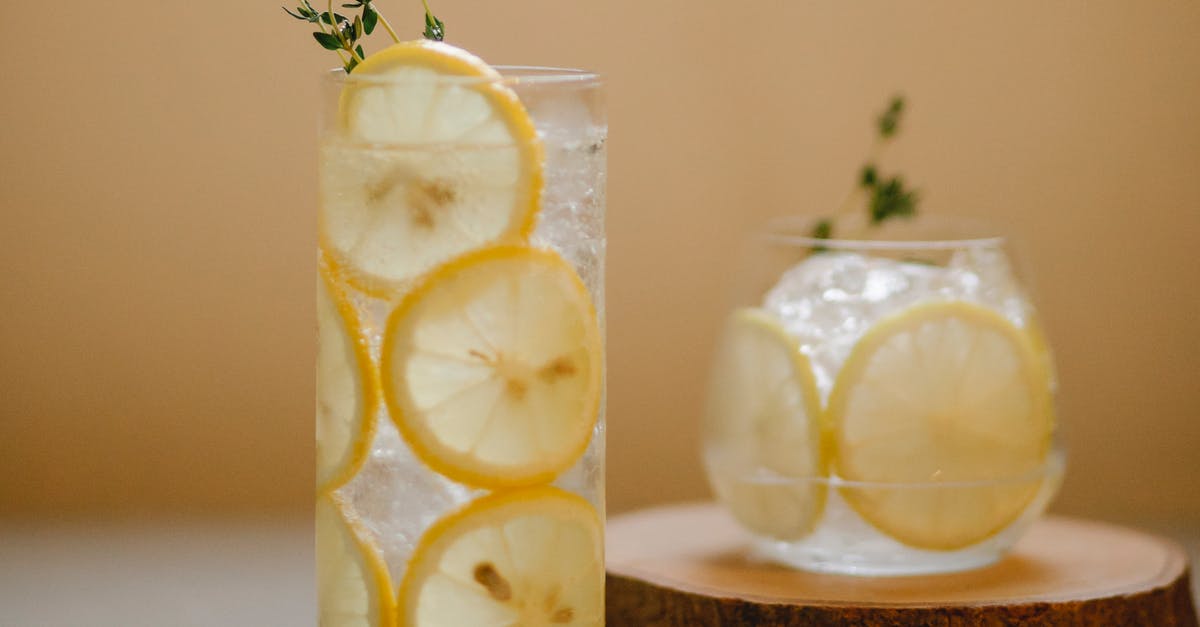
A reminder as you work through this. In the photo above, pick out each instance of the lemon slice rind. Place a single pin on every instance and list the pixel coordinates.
(343, 549)
(765, 412)
(528, 556)
(341, 340)
(470, 381)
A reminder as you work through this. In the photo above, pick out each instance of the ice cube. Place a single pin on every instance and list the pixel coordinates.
(586, 477)
(983, 274)
(397, 497)
(572, 217)
(829, 300)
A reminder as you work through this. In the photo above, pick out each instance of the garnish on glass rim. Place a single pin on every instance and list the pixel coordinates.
(888, 196)
(344, 34)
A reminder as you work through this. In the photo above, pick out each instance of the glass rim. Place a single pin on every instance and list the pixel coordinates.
(791, 231)
(510, 75)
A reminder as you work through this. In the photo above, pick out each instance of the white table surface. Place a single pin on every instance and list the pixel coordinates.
(190, 574)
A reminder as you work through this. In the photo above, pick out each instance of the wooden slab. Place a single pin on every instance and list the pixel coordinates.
(690, 565)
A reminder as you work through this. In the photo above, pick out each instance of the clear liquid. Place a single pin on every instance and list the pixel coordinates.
(809, 524)
(394, 496)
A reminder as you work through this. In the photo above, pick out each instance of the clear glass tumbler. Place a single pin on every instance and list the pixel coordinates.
(460, 383)
(883, 405)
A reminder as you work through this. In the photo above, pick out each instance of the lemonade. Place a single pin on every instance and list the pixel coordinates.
(460, 366)
(882, 406)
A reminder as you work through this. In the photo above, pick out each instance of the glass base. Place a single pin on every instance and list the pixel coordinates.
(885, 563)
(792, 527)
(843, 543)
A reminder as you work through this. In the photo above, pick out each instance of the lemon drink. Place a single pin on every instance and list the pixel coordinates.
(883, 406)
(460, 386)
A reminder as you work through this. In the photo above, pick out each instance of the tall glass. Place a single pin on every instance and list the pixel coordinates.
(883, 404)
(460, 384)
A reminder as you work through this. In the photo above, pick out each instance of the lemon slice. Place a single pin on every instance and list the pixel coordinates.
(949, 403)
(763, 414)
(529, 558)
(347, 392)
(781, 509)
(353, 587)
(492, 367)
(436, 157)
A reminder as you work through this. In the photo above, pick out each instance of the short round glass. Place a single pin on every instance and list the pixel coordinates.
(883, 405)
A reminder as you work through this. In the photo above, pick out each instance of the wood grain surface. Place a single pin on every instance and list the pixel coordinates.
(691, 565)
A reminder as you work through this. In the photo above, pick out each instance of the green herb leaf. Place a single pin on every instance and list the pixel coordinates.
(341, 19)
(298, 15)
(327, 41)
(868, 177)
(305, 12)
(434, 28)
(822, 230)
(889, 120)
(890, 199)
(347, 32)
(369, 18)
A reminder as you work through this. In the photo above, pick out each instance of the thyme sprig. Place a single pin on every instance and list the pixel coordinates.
(435, 29)
(886, 197)
(341, 34)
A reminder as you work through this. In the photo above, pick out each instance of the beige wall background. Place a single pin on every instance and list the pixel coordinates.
(156, 183)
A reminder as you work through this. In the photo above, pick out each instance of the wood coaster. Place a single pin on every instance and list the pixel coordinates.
(690, 565)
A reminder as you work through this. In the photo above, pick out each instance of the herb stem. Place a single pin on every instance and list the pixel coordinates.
(337, 31)
(849, 202)
(321, 25)
(387, 26)
(853, 197)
